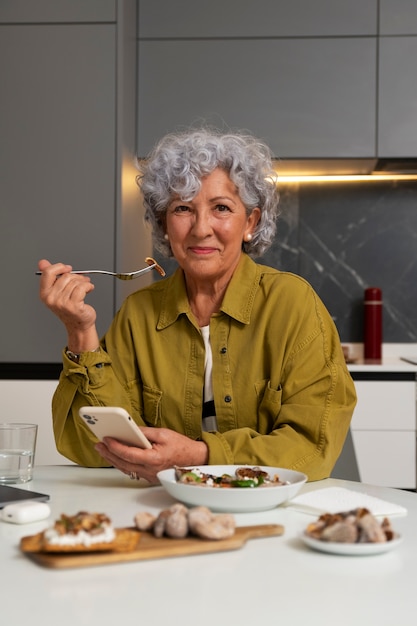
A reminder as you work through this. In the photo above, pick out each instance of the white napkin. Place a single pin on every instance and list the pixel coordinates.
(337, 499)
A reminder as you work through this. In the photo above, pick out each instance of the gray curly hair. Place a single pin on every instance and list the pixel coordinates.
(179, 161)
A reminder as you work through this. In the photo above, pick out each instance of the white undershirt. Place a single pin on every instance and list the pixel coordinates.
(209, 423)
(208, 365)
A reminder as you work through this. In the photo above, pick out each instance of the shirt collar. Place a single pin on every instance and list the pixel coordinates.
(240, 294)
(237, 302)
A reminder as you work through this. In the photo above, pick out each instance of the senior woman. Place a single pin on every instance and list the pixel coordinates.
(226, 361)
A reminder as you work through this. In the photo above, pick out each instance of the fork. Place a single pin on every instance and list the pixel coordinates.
(120, 275)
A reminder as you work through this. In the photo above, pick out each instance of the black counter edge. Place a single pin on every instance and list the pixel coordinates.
(392, 376)
(30, 371)
(52, 371)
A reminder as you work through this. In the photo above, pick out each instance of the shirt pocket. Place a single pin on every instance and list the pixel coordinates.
(152, 406)
(269, 406)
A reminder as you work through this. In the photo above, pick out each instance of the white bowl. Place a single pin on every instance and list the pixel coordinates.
(234, 500)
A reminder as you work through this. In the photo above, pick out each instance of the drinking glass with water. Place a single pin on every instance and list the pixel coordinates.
(17, 452)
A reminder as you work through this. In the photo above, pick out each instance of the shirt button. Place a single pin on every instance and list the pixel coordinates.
(223, 351)
(227, 398)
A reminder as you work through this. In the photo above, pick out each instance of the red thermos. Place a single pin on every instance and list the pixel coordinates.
(373, 324)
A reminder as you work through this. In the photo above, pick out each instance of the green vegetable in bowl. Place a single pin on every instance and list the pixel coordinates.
(244, 483)
(190, 477)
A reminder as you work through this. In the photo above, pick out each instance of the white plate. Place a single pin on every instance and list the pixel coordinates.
(351, 549)
(234, 500)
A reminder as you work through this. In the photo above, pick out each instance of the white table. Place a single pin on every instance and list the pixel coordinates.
(273, 580)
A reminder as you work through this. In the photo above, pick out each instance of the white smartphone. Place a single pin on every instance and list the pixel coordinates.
(113, 421)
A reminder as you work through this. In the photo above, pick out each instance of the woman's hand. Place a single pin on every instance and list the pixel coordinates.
(64, 294)
(168, 449)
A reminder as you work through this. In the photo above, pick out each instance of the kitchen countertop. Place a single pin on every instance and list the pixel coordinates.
(391, 358)
(268, 580)
(388, 364)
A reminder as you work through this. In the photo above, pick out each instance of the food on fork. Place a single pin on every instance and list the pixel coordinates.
(178, 522)
(356, 526)
(150, 261)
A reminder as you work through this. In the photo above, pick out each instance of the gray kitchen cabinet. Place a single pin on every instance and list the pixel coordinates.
(263, 18)
(58, 124)
(65, 145)
(307, 97)
(397, 135)
(397, 97)
(57, 11)
(327, 79)
(397, 17)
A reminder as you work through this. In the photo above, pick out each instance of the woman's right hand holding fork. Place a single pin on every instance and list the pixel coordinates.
(64, 294)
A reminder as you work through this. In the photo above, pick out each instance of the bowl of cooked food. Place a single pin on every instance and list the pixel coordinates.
(232, 488)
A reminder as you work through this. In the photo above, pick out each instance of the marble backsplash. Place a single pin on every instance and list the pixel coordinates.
(343, 238)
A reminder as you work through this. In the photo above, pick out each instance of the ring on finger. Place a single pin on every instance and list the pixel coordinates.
(134, 476)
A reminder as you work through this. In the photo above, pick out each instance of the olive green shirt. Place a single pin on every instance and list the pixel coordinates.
(282, 391)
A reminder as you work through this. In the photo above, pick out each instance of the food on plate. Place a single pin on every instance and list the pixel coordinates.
(178, 522)
(172, 522)
(244, 477)
(150, 261)
(144, 520)
(83, 532)
(356, 526)
(204, 523)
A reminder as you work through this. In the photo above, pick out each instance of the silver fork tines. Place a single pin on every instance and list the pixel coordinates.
(120, 275)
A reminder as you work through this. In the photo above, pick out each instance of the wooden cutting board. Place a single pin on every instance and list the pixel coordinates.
(146, 546)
